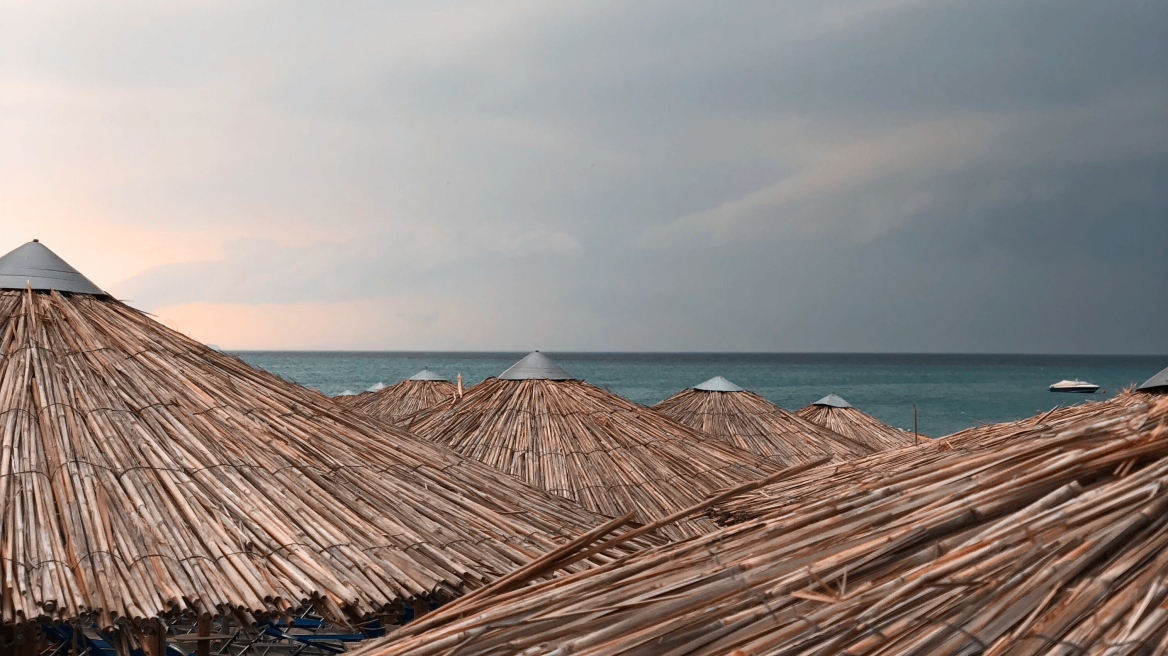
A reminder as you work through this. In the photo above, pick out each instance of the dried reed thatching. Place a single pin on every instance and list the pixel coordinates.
(587, 444)
(871, 470)
(1049, 420)
(399, 401)
(746, 420)
(841, 417)
(1056, 544)
(143, 474)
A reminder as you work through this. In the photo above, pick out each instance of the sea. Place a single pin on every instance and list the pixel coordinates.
(941, 393)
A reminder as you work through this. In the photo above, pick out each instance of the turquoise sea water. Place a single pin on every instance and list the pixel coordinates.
(951, 392)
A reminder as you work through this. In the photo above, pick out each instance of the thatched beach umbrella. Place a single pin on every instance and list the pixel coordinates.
(839, 416)
(1055, 544)
(143, 474)
(584, 443)
(746, 420)
(397, 402)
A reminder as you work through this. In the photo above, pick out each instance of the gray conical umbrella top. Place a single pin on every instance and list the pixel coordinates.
(426, 374)
(833, 401)
(536, 366)
(1159, 382)
(718, 384)
(34, 265)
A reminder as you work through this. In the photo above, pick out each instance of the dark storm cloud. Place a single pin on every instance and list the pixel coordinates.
(921, 175)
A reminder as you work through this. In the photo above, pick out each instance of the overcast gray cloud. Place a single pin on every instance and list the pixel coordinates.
(863, 175)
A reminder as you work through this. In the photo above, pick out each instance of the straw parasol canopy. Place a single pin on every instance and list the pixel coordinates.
(1052, 544)
(587, 444)
(400, 400)
(143, 474)
(746, 420)
(837, 415)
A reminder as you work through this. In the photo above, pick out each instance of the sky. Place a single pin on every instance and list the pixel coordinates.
(771, 175)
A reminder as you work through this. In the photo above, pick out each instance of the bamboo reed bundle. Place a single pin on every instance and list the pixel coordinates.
(396, 403)
(1054, 417)
(143, 474)
(858, 425)
(877, 467)
(747, 421)
(1055, 544)
(590, 445)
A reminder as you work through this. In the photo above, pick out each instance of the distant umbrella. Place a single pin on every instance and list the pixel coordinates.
(837, 415)
(579, 441)
(397, 402)
(746, 420)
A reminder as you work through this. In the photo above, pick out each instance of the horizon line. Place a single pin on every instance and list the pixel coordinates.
(617, 352)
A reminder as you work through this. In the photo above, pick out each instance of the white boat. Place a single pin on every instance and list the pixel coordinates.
(1080, 386)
